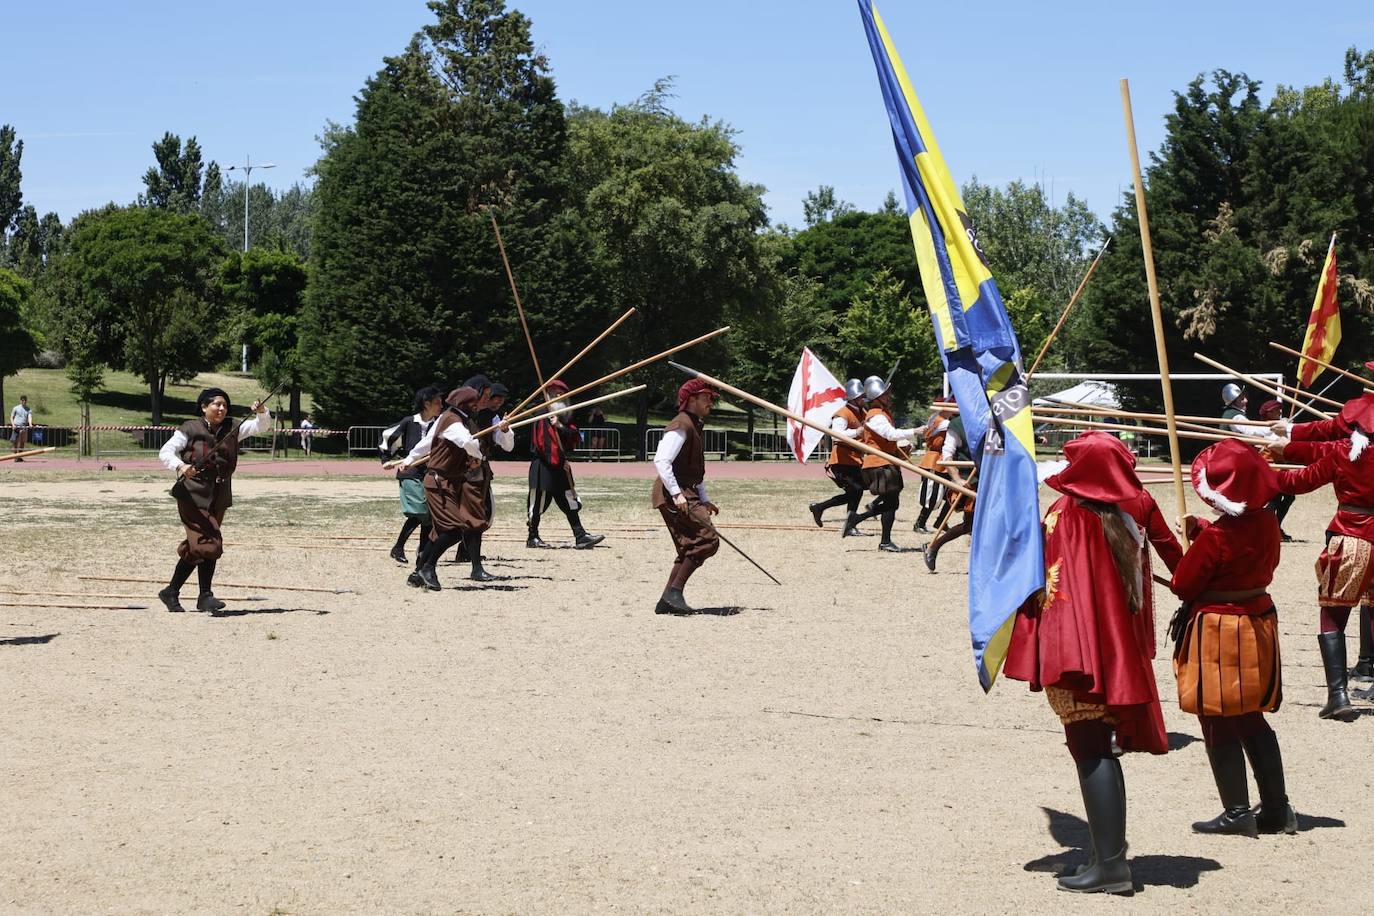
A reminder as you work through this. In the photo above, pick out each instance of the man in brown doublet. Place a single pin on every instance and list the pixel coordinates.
(679, 494)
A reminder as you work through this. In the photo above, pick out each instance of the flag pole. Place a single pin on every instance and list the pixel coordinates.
(1068, 308)
(538, 372)
(1156, 313)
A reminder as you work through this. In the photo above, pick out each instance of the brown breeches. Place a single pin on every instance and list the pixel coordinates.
(458, 504)
(204, 540)
(692, 535)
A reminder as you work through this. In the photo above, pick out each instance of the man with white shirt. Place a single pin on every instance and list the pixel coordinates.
(845, 462)
(203, 454)
(679, 492)
(21, 418)
(882, 477)
(457, 482)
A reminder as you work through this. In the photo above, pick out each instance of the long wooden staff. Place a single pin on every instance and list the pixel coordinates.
(524, 422)
(11, 591)
(1251, 380)
(1312, 359)
(1091, 411)
(1150, 430)
(852, 443)
(1068, 308)
(1312, 398)
(1156, 312)
(643, 362)
(538, 372)
(572, 362)
(33, 451)
(260, 586)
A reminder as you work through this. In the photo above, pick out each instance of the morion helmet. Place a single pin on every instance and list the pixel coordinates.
(1229, 392)
(853, 390)
(875, 387)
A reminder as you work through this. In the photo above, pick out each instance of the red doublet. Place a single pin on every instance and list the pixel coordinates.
(1084, 638)
(1236, 553)
(1329, 462)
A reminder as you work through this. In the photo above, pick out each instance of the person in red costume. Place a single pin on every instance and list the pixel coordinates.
(1226, 661)
(1336, 451)
(1083, 640)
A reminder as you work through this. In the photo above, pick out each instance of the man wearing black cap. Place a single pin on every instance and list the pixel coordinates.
(679, 492)
(551, 479)
(203, 454)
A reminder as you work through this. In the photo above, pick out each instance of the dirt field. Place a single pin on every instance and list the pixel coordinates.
(551, 745)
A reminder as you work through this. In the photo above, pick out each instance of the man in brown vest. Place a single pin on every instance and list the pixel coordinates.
(679, 494)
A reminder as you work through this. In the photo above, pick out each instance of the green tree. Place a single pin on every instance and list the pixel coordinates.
(883, 324)
(264, 291)
(822, 204)
(407, 286)
(148, 276)
(674, 232)
(11, 153)
(16, 342)
(175, 182)
(846, 252)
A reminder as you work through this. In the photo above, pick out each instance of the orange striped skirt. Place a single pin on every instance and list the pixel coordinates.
(1228, 665)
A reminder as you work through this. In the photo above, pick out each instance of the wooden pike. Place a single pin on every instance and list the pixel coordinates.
(96, 595)
(1149, 430)
(33, 451)
(520, 309)
(852, 443)
(1312, 359)
(1068, 308)
(1312, 397)
(259, 586)
(1256, 383)
(75, 607)
(570, 363)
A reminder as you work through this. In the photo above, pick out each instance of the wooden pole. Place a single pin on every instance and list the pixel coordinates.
(572, 362)
(75, 607)
(267, 588)
(538, 372)
(1312, 398)
(643, 362)
(1089, 411)
(1250, 380)
(852, 443)
(11, 591)
(1151, 430)
(33, 451)
(1068, 308)
(1312, 359)
(524, 422)
(1156, 312)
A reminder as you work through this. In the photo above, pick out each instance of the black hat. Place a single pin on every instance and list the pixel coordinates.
(209, 394)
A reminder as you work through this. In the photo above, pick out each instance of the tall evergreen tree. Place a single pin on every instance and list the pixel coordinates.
(175, 182)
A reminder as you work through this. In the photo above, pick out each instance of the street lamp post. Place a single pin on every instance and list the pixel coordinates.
(247, 170)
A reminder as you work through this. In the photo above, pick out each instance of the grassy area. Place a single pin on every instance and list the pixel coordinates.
(124, 402)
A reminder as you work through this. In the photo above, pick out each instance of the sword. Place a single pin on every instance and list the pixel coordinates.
(735, 547)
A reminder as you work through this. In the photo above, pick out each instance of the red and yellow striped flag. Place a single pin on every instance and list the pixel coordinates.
(1324, 325)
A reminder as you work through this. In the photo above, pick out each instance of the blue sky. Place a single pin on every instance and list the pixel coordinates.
(1013, 89)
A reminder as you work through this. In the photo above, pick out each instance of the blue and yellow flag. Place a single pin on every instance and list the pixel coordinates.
(983, 361)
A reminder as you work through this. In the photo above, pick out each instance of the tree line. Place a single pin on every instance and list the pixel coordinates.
(384, 276)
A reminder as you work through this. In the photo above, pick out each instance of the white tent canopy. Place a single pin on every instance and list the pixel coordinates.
(1098, 394)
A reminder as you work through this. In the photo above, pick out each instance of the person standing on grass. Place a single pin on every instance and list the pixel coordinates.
(398, 439)
(551, 479)
(679, 492)
(307, 434)
(204, 453)
(21, 418)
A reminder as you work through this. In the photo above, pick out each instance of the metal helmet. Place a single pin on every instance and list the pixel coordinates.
(853, 390)
(1229, 392)
(875, 387)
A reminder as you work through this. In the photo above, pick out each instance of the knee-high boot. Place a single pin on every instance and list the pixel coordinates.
(1228, 769)
(1337, 706)
(1364, 666)
(1273, 814)
(473, 542)
(1104, 800)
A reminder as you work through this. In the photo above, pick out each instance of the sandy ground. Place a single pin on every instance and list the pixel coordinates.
(551, 745)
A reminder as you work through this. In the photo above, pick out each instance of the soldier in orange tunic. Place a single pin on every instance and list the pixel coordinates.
(845, 464)
(883, 478)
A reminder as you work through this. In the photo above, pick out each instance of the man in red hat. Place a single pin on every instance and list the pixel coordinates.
(679, 493)
(1083, 640)
(1227, 661)
(551, 478)
(1336, 452)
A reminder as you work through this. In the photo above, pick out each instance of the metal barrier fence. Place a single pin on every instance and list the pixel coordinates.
(769, 445)
(714, 442)
(365, 439)
(43, 436)
(599, 443)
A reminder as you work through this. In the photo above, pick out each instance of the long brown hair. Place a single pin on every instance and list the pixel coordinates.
(1126, 550)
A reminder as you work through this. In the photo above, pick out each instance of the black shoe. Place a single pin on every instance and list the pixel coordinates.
(889, 547)
(1337, 706)
(399, 555)
(920, 529)
(1104, 798)
(816, 510)
(1228, 769)
(1231, 822)
(207, 603)
(1285, 537)
(414, 580)
(429, 578)
(1363, 671)
(479, 574)
(929, 556)
(672, 602)
(536, 541)
(1285, 822)
(587, 541)
(172, 600)
(855, 533)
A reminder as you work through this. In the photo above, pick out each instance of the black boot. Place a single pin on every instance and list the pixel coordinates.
(1337, 706)
(584, 541)
(473, 543)
(1104, 799)
(816, 510)
(171, 599)
(207, 603)
(931, 553)
(1273, 814)
(535, 541)
(672, 602)
(398, 554)
(428, 577)
(851, 526)
(1364, 668)
(1228, 768)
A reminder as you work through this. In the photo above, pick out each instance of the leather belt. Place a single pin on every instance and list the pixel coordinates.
(1231, 597)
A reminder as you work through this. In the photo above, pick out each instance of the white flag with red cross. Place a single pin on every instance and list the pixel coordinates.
(816, 395)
